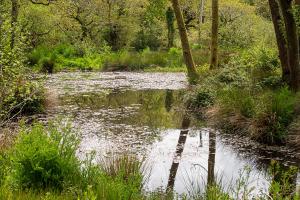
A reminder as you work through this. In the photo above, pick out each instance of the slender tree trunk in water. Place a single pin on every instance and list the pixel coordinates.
(187, 54)
(292, 43)
(201, 15)
(281, 42)
(214, 35)
(14, 20)
(211, 158)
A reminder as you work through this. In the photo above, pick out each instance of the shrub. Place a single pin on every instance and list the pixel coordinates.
(270, 112)
(43, 159)
(234, 75)
(283, 181)
(38, 54)
(24, 97)
(275, 115)
(235, 100)
(175, 58)
(203, 98)
(66, 51)
(146, 39)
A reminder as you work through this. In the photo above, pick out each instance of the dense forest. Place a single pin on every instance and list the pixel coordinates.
(150, 99)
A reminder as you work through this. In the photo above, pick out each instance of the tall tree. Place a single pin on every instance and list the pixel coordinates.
(292, 40)
(280, 38)
(187, 54)
(214, 34)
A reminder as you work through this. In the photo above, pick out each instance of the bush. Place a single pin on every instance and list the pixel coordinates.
(203, 98)
(235, 100)
(175, 58)
(66, 51)
(269, 112)
(147, 39)
(275, 115)
(43, 159)
(23, 98)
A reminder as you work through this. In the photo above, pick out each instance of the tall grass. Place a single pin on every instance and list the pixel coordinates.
(42, 162)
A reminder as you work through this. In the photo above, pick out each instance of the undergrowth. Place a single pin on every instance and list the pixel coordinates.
(249, 95)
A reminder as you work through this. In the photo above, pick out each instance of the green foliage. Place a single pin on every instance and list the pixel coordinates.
(203, 98)
(23, 97)
(145, 39)
(116, 37)
(235, 100)
(175, 57)
(45, 159)
(19, 95)
(43, 162)
(269, 112)
(282, 185)
(275, 113)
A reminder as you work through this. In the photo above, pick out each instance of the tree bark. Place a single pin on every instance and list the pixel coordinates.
(292, 43)
(187, 54)
(280, 38)
(214, 35)
(14, 20)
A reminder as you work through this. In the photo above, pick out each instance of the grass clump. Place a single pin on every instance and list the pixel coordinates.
(43, 159)
(249, 97)
(42, 163)
(267, 114)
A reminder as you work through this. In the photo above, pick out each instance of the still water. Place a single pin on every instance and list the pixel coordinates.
(143, 114)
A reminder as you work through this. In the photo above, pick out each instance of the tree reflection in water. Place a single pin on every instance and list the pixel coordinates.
(179, 150)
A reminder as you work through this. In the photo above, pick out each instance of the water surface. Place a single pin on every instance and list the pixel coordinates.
(143, 114)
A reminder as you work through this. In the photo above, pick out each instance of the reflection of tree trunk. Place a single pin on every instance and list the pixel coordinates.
(187, 54)
(201, 141)
(179, 149)
(211, 158)
(169, 100)
(14, 20)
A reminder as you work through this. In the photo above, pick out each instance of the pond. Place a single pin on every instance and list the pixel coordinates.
(143, 114)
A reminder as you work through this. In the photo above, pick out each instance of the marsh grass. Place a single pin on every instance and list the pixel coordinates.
(42, 163)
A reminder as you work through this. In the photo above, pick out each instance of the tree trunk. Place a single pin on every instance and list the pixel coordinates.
(292, 43)
(214, 35)
(281, 42)
(14, 20)
(187, 54)
(201, 19)
(170, 24)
